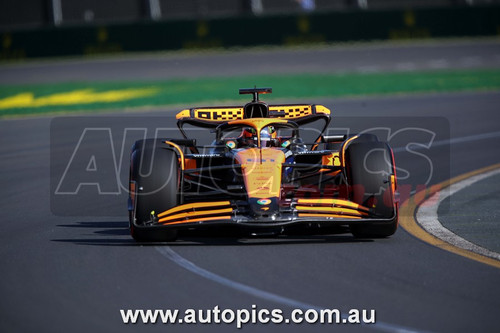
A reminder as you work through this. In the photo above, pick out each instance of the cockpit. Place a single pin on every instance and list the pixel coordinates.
(257, 133)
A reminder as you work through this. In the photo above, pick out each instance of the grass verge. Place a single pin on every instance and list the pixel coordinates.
(18, 100)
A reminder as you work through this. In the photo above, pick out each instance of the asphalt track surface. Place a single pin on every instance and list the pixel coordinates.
(63, 273)
(475, 204)
(363, 58)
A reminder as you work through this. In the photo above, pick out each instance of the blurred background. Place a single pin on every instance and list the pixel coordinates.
(40, 28)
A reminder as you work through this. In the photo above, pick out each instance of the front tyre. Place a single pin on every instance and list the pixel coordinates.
(369, 167)
(154, 173)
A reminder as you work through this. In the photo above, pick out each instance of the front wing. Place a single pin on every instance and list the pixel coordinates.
(305, 212)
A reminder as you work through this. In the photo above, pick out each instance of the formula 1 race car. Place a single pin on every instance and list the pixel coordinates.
(259, 176)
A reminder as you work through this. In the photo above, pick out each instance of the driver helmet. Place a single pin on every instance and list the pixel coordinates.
(249, 132)
(249, 135)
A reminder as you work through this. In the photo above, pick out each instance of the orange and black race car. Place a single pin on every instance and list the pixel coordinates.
(259, 176)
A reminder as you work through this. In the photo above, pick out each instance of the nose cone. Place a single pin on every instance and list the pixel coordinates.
(264, 208)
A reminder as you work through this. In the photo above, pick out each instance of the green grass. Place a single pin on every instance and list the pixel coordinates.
(197, 92)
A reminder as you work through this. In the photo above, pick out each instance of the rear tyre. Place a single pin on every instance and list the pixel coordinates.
(155, 171)
(369, 167)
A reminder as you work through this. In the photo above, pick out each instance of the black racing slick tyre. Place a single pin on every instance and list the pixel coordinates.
(154, 171)
(369, 166)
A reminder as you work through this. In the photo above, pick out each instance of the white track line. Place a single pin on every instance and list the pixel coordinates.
(176, 258)
(427, 216)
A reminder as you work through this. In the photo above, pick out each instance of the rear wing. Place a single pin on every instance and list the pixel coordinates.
(218, 115)
(211, 117)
